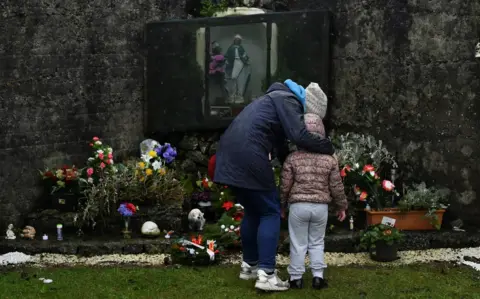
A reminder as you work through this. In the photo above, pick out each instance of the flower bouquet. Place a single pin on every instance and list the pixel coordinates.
(127, 210)
(101, 162)
(196, 251)
(63, 187)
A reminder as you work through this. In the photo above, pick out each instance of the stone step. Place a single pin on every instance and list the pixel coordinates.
(339, 242)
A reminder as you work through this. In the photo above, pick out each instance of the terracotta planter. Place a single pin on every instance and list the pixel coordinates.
(412, 220)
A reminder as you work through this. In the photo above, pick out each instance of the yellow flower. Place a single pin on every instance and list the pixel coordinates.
(141, 165)
(152, 154)
(142, 179)
(61, 183)
(149, 171)
(59, 174)
(162, 171)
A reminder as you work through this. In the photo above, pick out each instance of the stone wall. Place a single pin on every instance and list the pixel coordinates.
(402, 70)
(405, 71)
(69, 70)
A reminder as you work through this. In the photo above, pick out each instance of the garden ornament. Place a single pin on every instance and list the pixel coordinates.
(477, 51)
(196, 221)
(150, 229)
(10, 233)
(148, 145)
(28, 232)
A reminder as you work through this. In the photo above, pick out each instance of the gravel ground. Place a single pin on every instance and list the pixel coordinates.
(332, 259)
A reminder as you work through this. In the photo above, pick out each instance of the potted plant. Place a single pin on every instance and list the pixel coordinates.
(424, 206)
(381, 241)
(420, 208)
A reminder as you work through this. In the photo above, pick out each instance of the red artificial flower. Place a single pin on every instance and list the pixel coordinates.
(197, 240)
(387, 185)
(49, 174)
(205, 183)
(182, 249)
(131, 207)
(91, 144)
(101, 156)
(343, 173)
(211, 166)
(368, 168)
(363, 196)
(110, 155)
(96, 139)
(238, 216)
(227, 205)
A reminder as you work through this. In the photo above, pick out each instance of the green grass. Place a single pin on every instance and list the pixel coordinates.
(426, 281)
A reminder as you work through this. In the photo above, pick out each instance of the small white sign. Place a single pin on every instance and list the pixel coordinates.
(388, 221)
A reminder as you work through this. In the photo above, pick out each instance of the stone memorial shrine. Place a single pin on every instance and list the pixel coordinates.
(209, 69)
(122, 121)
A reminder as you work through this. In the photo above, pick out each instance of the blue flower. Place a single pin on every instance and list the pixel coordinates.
(169, 153)
(124, 211)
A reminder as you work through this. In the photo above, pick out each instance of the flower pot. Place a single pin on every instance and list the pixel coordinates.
(64, 201)
(412, 220)
(384, 252)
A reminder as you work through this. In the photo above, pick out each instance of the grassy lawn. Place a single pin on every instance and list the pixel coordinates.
(427, 281)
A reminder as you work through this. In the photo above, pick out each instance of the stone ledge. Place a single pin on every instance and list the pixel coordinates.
(342, 242)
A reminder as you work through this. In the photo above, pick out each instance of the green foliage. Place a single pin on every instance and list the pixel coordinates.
(380, 232)
(209, 8)
(422, 198)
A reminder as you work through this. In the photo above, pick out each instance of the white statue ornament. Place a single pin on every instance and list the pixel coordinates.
(10, 233)
(150, 229)
(196, 221)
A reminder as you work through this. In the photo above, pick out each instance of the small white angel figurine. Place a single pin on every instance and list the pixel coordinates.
(10, 233)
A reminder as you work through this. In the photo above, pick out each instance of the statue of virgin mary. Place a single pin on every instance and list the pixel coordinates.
(237, 70)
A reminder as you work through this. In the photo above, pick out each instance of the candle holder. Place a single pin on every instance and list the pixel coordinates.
(127, 233)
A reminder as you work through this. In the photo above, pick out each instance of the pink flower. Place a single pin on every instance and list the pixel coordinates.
(90, 171)
(100, 156)
(96, 139)
(102, 165)
(110, 156)
(108, 161)
(387, 185)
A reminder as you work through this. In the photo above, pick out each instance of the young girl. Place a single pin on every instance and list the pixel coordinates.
(309, 183)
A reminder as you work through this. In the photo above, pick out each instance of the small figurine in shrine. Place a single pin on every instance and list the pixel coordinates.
(28, 232)
(10, 233)
(196, 220)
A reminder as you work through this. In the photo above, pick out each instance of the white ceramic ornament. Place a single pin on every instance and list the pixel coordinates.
(150, 229)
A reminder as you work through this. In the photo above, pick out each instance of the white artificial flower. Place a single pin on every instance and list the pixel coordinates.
(100, 151)
(111, 161)
(98, 142)
(157, 165)
(232, 227)
(110, 150)
(222, 227)
(356, 166)
(167, 236)
(90, 180)
(146, 158)
(226, 230)
(372, 173)
(47, 281)
(221, 193)
(238, 206)
(114, 169)
(91, 159)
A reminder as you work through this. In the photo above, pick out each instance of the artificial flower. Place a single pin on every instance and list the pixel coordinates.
(102, 165)
(59, 174)
(197, 240)
(91, 159)
(387, 185)
(148, 171)
(99, 152)
(162, 171)
(61, 183)
(125, 211)
(111, 162)
(356, 165)
(227, 205)
(98, 142)
(91, 144)
(131, 207)
(156, 165)
(96, 139)
(90, 180)
(238, 216)
(182, 249)
(90, 171)
(205, 183)
(368, 168)
(110, 156)
(152, 154)
(363, 196)
(343, 173)
(101, 156)
(357, 190)
(141, 165)
(387, 232)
